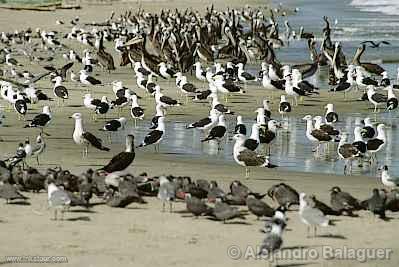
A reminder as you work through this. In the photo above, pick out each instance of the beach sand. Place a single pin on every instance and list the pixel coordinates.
(141, 235)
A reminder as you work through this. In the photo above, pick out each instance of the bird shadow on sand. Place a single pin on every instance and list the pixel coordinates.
(229, 222)
(332, 236)
(19, 203)
(308, 105)
(268, 179)
(82, 211)
(295, 247)
(136, 208)
(240, 102)
(74, 106)
(80, 218)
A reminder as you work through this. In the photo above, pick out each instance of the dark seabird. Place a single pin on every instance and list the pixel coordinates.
(120, 162)
(379, 142)
(369, 67)
(314, 202)
(392, 200)
(165, 101)
(82, 137)
(376, 204)
(59, 90)
(240, 127)
(376, 44)
(166, 192)
(57, 199)
(248, 158)
(197, 206)
(103, 106)
(253, 141)
(21, 107)
(347, 152)
(166, 72)
(41, 120)
(155, 137)
(284, 195)
(136, 111)
(205, 123)
(218, 132)
(343, 201)
(88, 80)
(114, 125)
(61, 71)
(331, 116)
(215, 191)
(358, 141)
(375, 98)
(10, 192)
(258, 207)
(224, 212)
(392, 102)
(310, 215)
(243, 75)
(284, 106)
(368, 130)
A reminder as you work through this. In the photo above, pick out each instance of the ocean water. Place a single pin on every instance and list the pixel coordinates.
(353, 21)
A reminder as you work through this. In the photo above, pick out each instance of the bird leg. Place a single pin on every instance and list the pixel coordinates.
(307, 231)
(135, 123)
(163, 206)
(55, 214)
(170, 206)
(247, 172)
(37, 160)
(315, 231)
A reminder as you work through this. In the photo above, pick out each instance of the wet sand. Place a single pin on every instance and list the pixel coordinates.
(141, 234)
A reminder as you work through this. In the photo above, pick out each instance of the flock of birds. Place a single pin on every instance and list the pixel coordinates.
(166, 46)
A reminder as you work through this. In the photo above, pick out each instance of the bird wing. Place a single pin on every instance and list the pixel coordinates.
(65, 68)
(251, 158)
(120, 162)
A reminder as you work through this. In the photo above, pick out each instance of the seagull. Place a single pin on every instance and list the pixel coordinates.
(166, 72)
(59, 90)
(136, 111)
(166, 192)
(379, 142)
(311, 216)
(82, 137)
(41, 120)
(114, 126)
(240, 127)
(88, 80)
(375, 98)
(387, 179)
(61, 71)
(315, 135)
(331, 116)
(57, 199)
(218, 132)
(118, 165)
(206, 123)
(376, 44)
(155, 137)
(347, 152)
(392, 102)
(273, 241)
(248, 158)
(284, 106)
(368, 130)
(38, 148)
(243, 75)
(376, 203)
(253, 141)
(165, 101)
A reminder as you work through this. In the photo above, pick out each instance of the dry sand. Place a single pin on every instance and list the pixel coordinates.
(141, 235)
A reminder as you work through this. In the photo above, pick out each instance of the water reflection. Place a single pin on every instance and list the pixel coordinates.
(291, 149)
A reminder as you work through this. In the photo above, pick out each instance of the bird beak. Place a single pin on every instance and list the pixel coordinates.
(70, 117)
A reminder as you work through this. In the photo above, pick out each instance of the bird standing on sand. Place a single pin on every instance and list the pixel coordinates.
(84, 138)
(166, 192)
(41, 120)
(60, 91)
(218, 132)
(57, 199)
(311, 216)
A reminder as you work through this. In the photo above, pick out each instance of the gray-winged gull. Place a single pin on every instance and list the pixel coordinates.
(310, 215)
(166, 192)
(57, 199)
